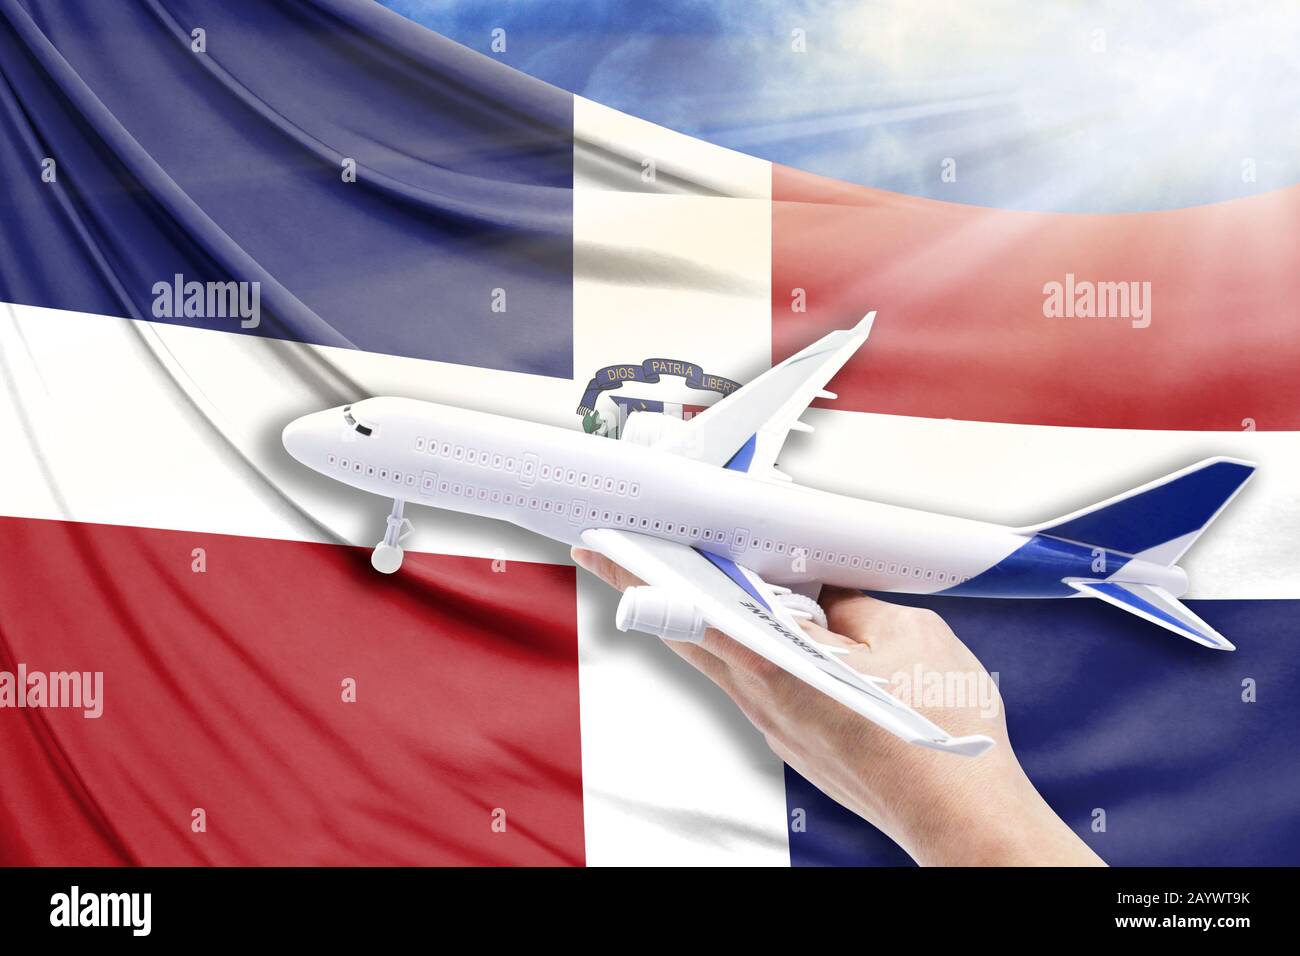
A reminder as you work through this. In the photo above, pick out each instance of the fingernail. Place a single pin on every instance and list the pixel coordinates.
(583, 558)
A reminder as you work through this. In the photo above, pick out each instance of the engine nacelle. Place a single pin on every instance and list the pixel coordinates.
(647, 428)
(659, 612)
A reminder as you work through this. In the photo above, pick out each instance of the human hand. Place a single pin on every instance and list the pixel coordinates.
(942, 809)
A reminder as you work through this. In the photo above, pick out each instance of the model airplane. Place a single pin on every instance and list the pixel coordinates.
(698, 510)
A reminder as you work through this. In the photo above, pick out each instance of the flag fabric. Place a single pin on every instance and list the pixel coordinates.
(379, 210)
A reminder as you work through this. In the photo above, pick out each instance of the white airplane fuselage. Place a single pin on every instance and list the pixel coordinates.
(559, 482)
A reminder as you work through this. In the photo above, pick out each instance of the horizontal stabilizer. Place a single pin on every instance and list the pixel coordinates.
(1157, 606)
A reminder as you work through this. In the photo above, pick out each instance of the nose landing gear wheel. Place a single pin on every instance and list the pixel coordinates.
(387, 556)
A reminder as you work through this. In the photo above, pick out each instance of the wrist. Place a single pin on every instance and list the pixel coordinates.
(1009, 824)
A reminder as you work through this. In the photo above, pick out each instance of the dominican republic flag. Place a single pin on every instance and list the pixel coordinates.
(421, 219)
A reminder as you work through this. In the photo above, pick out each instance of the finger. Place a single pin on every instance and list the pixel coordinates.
(857, 654)
(825, 636)
(853, 614)
(705, 661)
(736, 656)
(617, 577)
(701, 656)
(715, 643)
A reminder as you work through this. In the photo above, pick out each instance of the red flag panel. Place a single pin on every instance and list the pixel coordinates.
(963, 294)
(224, 690)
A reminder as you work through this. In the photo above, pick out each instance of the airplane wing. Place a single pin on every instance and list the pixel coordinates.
(740, 604)
(746, 430)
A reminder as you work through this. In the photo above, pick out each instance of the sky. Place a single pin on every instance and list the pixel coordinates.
(1105, 106)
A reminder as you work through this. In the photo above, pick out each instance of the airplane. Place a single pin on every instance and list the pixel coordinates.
(698, 510)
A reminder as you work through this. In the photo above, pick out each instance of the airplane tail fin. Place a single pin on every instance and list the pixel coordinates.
(1159, 521)
(1156, 605)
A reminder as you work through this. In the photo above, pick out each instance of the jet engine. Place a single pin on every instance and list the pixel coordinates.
(659, 612)
(647, 428)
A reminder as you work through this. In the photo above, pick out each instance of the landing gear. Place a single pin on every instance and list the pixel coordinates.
(387, 556)
(802, 607)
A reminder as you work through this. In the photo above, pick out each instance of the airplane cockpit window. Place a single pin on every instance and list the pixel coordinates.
(355, 425)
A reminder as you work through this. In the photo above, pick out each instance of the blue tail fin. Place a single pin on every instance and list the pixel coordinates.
(1158, 521)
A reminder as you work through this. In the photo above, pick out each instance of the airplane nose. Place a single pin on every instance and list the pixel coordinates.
(296, 438)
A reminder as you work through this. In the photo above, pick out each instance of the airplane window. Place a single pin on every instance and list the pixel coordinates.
(496, 461)
(546, 472)
(622, 487)
(571, 476)
(419, 444)
(332, 459)
(471, 457)
(635, 489)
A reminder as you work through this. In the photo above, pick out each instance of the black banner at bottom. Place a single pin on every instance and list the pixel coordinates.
(333, 905)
